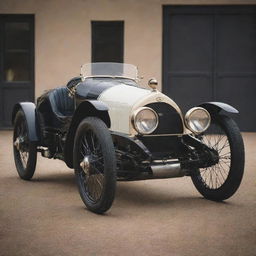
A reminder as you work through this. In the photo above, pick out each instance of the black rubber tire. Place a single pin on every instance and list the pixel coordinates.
(236, 170)
(100, 131)
(25, 171)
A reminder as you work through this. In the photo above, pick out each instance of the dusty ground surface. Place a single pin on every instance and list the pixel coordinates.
(160, 217)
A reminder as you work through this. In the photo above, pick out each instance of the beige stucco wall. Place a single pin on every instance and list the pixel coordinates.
(63, 35)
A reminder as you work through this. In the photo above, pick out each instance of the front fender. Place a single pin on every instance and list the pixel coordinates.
(92, 108)
(29, 110)
(99, 105)
(216, 107)
(85, 109)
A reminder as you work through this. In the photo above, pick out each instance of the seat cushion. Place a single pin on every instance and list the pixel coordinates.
(62, 103)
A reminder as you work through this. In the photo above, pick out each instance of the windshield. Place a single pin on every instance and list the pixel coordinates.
(109, 69)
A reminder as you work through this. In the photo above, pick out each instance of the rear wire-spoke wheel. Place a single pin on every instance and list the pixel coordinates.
(220, 181)
(95, 164)
(25, 152)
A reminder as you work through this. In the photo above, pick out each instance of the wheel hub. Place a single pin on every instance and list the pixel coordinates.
(210, 158)
(85, 165)
(19, 142)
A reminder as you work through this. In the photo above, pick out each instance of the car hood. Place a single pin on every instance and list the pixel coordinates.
(124, 99)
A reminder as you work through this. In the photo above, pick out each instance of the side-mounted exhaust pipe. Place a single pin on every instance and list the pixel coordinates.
(168, 170)
(162, 170)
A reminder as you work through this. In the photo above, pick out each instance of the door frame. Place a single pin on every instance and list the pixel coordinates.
(17, 84)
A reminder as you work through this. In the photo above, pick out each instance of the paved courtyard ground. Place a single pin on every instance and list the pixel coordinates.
(159, 217)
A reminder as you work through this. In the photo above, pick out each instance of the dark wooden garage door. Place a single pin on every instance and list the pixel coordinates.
(210, 55)
(16, 63)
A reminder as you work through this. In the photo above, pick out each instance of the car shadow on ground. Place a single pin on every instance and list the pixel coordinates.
(131, 194)
(151, 196)
(65, 179)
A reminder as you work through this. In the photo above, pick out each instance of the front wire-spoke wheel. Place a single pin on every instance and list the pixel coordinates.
(95, 164)
(220, 181)
(25, 152)
(92, 166)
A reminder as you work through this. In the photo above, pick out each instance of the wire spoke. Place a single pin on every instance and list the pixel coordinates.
(215, 176)
(93, 180)
(22, 147)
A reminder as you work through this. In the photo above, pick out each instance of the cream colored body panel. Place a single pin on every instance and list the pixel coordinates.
(120, 99)
(123, 100)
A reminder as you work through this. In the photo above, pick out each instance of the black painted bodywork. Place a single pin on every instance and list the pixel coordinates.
(60, 111)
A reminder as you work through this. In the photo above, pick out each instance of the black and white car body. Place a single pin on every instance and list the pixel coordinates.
(108, 128)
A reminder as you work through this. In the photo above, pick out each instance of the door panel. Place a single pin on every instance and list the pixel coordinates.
(239, 92)
(210, 55)
(188, 91)
(189, 48)
(16, 63)
(235, 81)
(236, 43)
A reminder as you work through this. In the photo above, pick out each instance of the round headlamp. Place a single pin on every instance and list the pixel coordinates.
(145, 120)
(197, 119)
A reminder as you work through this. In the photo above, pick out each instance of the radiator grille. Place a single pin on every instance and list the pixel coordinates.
(170, 121)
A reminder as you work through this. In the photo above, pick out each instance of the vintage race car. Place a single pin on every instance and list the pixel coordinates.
(108, 128)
